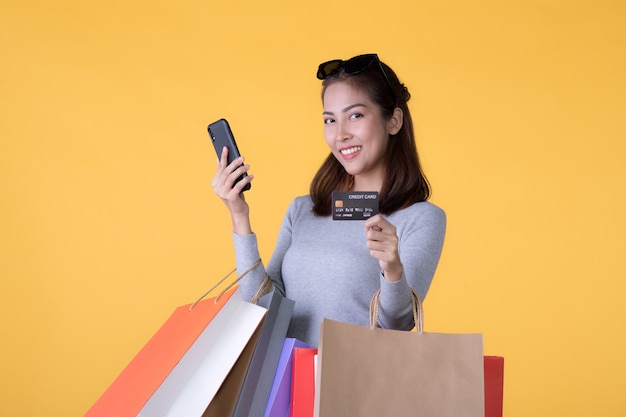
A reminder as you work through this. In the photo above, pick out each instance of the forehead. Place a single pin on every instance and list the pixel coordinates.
(342, 93)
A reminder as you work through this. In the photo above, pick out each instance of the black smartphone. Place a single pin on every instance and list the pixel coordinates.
(221, 135)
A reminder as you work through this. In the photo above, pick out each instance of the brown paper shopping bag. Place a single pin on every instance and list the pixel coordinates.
(372, 372)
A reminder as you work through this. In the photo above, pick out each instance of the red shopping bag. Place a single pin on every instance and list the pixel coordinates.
(303, 382)
(494, 385)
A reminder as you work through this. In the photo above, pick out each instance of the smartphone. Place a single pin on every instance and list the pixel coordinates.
(221, 135)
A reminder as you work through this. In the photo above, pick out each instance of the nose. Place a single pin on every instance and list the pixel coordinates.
(342, 132)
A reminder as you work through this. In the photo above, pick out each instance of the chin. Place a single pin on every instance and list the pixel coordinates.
(349, 168)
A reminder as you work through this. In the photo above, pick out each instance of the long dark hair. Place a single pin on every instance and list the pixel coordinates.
(404, 183)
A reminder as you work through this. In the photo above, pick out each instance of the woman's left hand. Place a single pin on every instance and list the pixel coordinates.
(382, 242)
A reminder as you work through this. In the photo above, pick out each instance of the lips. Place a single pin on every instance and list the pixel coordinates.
(350, 151)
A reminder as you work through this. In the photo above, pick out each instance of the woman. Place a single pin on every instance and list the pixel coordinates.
(331, 269)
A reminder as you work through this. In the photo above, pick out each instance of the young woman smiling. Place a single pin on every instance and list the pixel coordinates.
(331, 269)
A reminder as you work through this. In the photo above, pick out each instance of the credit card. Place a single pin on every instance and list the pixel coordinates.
(354, 205)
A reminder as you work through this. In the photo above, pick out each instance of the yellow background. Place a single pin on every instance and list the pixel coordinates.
(108, 221)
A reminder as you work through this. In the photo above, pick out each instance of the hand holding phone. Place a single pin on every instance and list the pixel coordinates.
(222, 136)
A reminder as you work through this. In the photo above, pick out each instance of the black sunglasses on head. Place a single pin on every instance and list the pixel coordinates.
(353, 66)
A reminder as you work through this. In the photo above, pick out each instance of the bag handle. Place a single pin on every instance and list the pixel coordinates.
(266, 285)
(416, 303)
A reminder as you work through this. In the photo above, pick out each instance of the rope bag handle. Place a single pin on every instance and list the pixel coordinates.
(418, 311)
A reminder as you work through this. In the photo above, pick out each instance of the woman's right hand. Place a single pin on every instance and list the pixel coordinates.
(230, 192)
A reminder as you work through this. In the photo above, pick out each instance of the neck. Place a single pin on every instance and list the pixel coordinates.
(361, 183)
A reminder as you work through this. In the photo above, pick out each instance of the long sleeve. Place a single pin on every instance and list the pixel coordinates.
(247, 253)
(421, 235)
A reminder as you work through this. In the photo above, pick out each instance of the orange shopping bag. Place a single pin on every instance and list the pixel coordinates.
(181, 368)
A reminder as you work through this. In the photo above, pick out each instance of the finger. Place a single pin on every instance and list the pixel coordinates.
(223, 159)
(221, 165)
(383, 253)
(236, 172)
(227, 175)
(374, 234)
(239, 185)
(382, 232)
(372, 221)
(379, 223)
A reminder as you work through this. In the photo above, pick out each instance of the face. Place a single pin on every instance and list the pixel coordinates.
(356, 133)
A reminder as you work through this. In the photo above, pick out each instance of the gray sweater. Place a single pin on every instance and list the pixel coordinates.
(325, 267)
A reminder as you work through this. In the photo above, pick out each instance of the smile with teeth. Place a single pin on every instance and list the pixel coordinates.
(350, 151)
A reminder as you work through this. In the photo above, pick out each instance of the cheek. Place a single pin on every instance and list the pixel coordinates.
(379, 142)
(328, 136)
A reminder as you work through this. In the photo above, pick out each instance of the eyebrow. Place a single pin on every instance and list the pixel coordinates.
(347, 109)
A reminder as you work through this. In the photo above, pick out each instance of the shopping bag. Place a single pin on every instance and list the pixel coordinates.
(225, 400)
(371, 372)
(494, 386)
(255, 391)
(278, 404)
(303, 383)
(223, 404)
(182, 366)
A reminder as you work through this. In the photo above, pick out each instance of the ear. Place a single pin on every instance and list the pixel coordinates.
(394, 124)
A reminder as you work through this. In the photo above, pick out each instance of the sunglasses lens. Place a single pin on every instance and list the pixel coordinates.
(358, 63)
(327, 69)
(353, 66)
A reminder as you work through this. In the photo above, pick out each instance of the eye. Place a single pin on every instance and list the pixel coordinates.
(356, 115)
(328, 120)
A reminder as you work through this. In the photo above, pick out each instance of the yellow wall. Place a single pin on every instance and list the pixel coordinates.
(108, 221)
